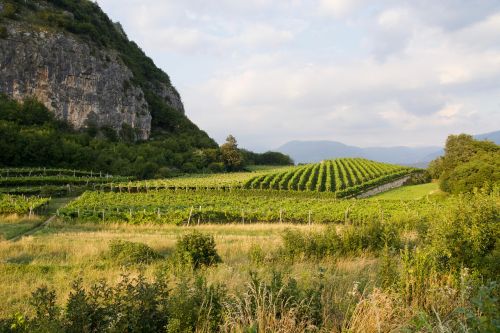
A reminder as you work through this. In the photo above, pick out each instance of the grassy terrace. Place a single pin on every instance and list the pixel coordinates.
(414, 192)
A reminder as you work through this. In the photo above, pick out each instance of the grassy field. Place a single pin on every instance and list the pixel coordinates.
(14, 225)
(60, 253)
(413, 192)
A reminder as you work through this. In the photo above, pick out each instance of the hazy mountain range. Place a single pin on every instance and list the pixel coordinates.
(315, 151)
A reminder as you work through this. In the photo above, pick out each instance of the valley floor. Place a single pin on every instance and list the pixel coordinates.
(373, 273)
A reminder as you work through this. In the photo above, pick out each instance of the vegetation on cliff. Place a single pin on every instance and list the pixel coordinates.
(87, 21)
(30, 136)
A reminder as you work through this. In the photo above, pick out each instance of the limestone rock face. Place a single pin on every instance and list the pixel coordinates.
(79, 82)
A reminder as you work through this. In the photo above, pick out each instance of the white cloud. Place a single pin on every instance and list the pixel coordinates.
(339, 8)
(355, 71)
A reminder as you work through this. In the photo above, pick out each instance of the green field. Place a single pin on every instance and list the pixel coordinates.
(413, 192)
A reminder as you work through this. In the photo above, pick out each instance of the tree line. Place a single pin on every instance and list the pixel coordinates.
(31, 136)
(466, 164)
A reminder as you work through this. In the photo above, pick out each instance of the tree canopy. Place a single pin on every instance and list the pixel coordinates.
(466, 164)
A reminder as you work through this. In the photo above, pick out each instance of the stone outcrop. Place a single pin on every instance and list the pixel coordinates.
(79, 82)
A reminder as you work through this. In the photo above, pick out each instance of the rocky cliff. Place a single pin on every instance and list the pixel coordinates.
(78, 79)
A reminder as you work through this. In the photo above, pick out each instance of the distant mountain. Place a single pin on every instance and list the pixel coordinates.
(315, 151)
(492, 136)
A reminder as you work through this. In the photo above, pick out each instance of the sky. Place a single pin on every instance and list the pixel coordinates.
(363, 72)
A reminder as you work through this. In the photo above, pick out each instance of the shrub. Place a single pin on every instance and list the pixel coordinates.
(352, 239)
(467, 233)
(256, 254)
(370, 236)
(195, 306)
(483, 169)
(486, 317)
(129, 253)
(9, 11)
(134, 305)
(216, 167)
(388, 270)
(47, 313)
(419, 178)
(198, 249)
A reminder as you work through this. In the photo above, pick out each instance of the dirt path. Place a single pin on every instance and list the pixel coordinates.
(50, 215)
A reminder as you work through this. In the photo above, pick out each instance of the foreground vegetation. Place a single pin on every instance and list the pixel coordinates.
(147, 257)
(425, 273)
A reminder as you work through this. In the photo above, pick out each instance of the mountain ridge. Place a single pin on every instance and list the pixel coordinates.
(302, 151)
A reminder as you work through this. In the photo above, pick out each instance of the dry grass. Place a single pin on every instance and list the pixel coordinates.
(60, 253)
(13, 224)
(351, 302)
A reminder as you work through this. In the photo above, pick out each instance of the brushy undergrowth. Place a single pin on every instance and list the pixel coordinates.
(129, 253)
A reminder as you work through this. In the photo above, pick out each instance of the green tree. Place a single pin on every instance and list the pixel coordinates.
(231, 156)
(435, 167)
(466, 164)
(482, 169)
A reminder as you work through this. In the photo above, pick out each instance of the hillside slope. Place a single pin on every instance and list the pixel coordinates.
(344, 176)
(71, 57)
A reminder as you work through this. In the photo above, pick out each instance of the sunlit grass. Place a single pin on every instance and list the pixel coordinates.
(412, 192)
(13, 225)
(60, 253)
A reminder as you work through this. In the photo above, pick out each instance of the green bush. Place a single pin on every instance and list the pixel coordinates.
(350, 240)
(216, 167)
(419, 178)
(467, 233)
(483, 169)
(466, 164)
(256, 254)
(198, 249)
(485, 317)
(9, 11)
(130, 253)
(195, 306)
(133, 305)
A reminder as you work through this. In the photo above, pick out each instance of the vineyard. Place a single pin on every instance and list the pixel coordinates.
(34, 172)
(217, 181)
(16, 204)
(345, 176)
(240, 206)
(47, 182)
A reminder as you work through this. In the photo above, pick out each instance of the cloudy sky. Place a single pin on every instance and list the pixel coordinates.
(388, 72)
